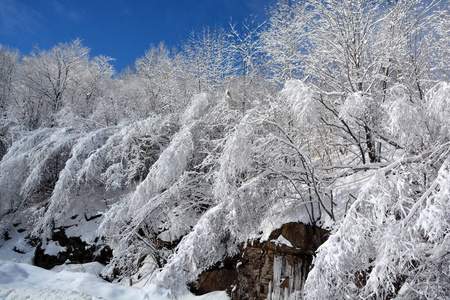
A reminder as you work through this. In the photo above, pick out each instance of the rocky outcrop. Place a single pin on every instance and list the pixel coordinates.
(62, 249)
(268, 270)
(221, 277)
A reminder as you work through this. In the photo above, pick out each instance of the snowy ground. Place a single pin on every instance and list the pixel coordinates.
(24, 281)
(18, 280)
(21, 280)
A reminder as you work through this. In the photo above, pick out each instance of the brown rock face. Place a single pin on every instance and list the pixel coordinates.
(267, 270)
(302, 237)
(218, 278)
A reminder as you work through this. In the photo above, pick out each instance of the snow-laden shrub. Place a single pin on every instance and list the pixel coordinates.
(247, 177)
(98, 165)
(405, 119)
(166, 204)
(234, 161)
(343, 260)
(197, 109)
(162, 175)
(437, 103)
(206, 244)
(430, 225)
(385, 245)
(127, 155)
(355, 106)
(54, 174)
(300, 102)
(30, 169)
(61, 202)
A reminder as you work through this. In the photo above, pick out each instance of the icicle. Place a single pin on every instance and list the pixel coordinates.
(292, 277)
(286, 293)
(277, 271)
(298, 280)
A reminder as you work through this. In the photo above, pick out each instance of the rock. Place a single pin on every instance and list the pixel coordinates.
(207, 281)
(268, 267)
(76, 251)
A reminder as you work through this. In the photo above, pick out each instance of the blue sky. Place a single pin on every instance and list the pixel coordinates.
(122, 29)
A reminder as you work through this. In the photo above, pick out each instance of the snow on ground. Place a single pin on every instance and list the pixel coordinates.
(24, 281)
(16, 249)
(94, 268)
(21, 280)
(18, 277)
(41, 294)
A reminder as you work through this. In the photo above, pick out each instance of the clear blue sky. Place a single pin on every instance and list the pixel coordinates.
(122, 29)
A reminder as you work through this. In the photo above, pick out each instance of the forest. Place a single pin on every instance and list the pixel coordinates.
(335, 114)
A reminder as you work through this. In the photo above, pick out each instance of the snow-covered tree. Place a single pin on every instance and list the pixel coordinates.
(8, 66)
(335, 114)
(94, 82)
(283, 41)
(165, 204)
(160, 74)
(394, 239)
(30, 171)
(208, 57)
(401, 51)
(46, 80)
(245, 44)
